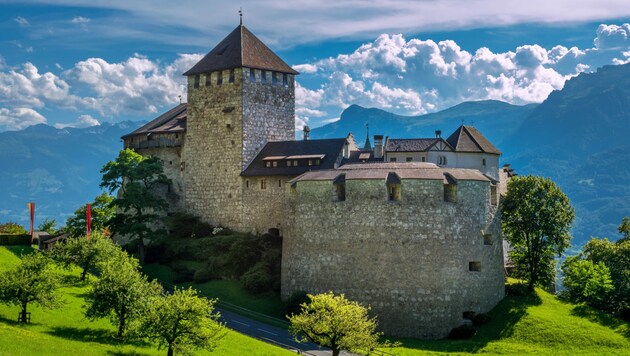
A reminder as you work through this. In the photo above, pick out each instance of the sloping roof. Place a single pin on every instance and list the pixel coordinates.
(468, 139)
(330, 148)
(173, 120)
(240, 48)
(410, 144)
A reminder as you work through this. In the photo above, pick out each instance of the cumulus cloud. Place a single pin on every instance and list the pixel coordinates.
(80, 20)
(306, 68)
(19, 118)
(417, 76)
(82, 121)
(21, 21)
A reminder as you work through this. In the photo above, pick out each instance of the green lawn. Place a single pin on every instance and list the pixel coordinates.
(65, 331)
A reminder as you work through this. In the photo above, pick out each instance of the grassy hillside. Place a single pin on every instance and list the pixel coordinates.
(540, 325)
(65, 331)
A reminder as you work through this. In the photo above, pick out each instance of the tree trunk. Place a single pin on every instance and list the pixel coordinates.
(23, 314)
(170, 350)
(142, 251)
(336, 352)
(84, 273)
(121, 324)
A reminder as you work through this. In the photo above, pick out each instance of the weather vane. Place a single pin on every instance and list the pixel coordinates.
(240, 14)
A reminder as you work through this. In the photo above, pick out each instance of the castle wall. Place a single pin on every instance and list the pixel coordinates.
(213, 157)
(408, 259)
(263, 208)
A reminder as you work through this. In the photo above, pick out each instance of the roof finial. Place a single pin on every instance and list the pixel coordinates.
(180, 98)
(240, 14)
(367, 146)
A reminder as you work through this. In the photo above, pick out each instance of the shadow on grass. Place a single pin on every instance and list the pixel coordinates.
(124, 353)
(603, 319)
(20, 250)
(101, 336)
(14, 322)
(73, 280)
(504, 317)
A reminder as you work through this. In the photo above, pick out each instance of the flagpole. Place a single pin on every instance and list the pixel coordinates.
(31, 210)
(88, 220)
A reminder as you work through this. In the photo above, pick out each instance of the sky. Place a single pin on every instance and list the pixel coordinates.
(79, 63)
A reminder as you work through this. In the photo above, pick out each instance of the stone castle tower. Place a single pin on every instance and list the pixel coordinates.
(240, 96)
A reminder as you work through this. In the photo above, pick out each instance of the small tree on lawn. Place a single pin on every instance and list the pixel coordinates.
(335, 322)
(182, 322)
(587, 282)
(537, 217)
(84, 253)
(120, 293)
(136, 178)
(31, 282)
(102, 212)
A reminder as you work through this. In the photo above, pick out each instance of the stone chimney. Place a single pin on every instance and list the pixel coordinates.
(307, 133)
(438, 133)
(378, 146)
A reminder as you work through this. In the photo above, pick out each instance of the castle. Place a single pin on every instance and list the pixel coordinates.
(409, 226)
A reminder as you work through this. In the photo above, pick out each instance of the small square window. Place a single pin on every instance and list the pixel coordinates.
(474, 266)
(318, 162)
(295, 163)
(263, 184)
(268, 164)
(393, 159)
(310, 162)
(424, 159)
(275, 163)
(409, 159)
(219, 77)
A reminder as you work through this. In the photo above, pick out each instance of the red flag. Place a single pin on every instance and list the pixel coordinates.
(31, 210)
(89, 221)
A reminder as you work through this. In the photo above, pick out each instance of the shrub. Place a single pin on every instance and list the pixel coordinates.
(12, 228)
(462, 332)
(481, 319)
(257, 279)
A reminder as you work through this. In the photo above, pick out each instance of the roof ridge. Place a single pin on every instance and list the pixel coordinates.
(472, 137)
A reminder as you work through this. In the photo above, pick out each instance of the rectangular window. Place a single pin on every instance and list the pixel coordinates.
(318, 162)
(450, 193)
(493, 195)
(231, 76)
(483, 161)
(274, 78)
(263, 76)
(247, 183)
(252, 75)
(487, 239)
(409, 159)
(295, 163)
(393, 159)
(219, 77)
(474, 266)
(289, 163)
(285, 80)
(263, 184)
(268, 164)
(197, 81)
(310, 162)
(275, 163)
(208, 79)
(279, 182)
(423, 159)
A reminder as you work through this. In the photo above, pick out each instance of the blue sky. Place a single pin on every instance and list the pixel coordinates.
(79, 63)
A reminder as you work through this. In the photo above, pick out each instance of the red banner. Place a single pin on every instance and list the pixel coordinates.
(31, 210)
(89, 221)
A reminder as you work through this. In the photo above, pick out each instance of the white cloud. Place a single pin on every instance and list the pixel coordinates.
(28, 88)
(80, 20)
(21, 21)
(83, 121)
(19, 118)
(306, 68)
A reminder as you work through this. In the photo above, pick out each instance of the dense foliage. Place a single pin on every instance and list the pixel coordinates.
(102, 211)
(136, 178)
(48, 225)
(182, 322)
(335, 322)
(84, 253)
(537, 217)
(12, 228)
(121, 292)
(31, 282)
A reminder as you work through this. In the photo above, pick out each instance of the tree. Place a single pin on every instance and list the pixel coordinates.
(587, 282)
(31, 282)
(84, 253)
(335, 322)
(182, 322)
(537, 217)
(624, 230)
(12, 228)
(102, 210)
(136, 178)
(48, 225)
(121, 292)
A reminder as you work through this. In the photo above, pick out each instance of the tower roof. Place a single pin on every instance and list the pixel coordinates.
(468, 139)
(240, 48)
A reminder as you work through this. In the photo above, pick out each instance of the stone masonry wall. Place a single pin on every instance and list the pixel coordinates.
(263, 209)
(213, 155)
(408, 259)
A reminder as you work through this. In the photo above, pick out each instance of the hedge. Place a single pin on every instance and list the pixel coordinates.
(10, 239)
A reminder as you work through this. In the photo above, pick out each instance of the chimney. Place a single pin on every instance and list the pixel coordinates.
(307, 133)
(438, 133)
(378, 146)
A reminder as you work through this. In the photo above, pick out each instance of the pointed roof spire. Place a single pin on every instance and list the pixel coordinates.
(240, 14)
(368, 145)
(240, 48)
(469, 139)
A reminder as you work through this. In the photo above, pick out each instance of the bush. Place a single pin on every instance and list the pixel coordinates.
(257, 279)
(481, 319)
(462, 332)
(11, 239)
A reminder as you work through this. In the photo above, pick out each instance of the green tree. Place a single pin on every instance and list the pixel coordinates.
(624, 230)
(182, 322)
(587, 282)
(48, 225)
(537, 217)
(335, 322)
(103, 211)
(136, 178)
(84, 253)
(121, 292)
(31, 282)
(12, 228)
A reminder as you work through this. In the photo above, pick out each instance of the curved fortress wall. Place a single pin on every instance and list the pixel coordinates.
(420, 262)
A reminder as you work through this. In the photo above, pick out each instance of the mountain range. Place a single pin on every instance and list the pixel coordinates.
(578, 137)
